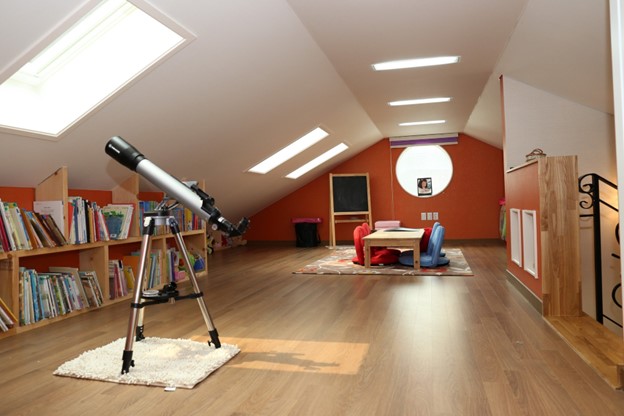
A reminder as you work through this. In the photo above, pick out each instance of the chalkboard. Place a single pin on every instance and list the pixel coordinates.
(350, 197)
(350, 193)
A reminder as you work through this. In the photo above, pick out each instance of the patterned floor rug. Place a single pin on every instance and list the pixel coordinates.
(158, 362)
(339, 262)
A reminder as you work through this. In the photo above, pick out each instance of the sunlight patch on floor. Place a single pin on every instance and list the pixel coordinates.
(296, 355)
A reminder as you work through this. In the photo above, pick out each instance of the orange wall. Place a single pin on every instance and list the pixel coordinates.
(468, 208)
(523, 194)
(23, 196)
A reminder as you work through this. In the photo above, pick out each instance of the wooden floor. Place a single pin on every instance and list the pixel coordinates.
(328, 345)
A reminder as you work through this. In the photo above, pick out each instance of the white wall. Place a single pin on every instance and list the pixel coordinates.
(537, 119)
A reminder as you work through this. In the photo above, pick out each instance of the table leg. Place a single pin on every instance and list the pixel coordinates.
(417, 254)
(367, 254)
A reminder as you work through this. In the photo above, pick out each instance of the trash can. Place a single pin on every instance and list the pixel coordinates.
(306, 232)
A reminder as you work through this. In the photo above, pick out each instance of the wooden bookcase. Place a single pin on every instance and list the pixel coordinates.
(90, 256)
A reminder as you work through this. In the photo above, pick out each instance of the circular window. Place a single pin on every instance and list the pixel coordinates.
(424, 171)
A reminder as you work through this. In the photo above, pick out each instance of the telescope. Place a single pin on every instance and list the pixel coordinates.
(191, 197)
(195, 200)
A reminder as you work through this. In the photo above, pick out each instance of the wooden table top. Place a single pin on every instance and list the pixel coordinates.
(395, 235)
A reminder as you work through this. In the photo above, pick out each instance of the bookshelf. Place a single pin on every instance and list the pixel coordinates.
(92, 256)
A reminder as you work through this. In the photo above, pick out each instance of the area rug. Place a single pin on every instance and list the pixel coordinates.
(158, 362)
(339, 262)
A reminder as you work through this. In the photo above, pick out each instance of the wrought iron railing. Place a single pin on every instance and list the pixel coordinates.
(591, 187)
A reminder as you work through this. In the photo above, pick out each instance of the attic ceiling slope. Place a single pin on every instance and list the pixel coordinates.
(559, 46)
(356, 36)
(563, 47)
(251, 82)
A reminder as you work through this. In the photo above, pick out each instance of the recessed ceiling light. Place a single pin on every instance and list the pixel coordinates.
(318, 161)
(420, 101)
(416, 63)
(290, 151)
(422, 123)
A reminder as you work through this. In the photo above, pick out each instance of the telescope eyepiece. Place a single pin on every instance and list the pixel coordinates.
(123, 152)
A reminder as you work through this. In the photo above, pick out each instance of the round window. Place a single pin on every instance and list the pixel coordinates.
(424, 171)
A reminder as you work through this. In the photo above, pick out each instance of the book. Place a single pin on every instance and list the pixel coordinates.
(16, 217)
(48, 305)
(89, 277)
(25, 298)
(4, 241)
(129, 278)
(8, 310)
(154, 269)
(52, 229)
(35, 241)
(59, 292)
(53, 208)
(118, 218)
(133, 262)
(80, 298)
(10, 233)
(78, 221)
(6, 315)
(45, 238)
(52, 302)
(118, 286)
(36, 295)
(101, 230)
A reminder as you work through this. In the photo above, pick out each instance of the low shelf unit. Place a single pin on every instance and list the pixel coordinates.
(93, 256)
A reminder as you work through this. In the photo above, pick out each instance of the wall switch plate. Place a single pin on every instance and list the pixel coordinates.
(429, 216)
(423, 216)
(435, 216)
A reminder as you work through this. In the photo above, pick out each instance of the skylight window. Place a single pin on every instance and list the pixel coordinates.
(290, 151)
(78, 71)
(416, 63)
(333, 152)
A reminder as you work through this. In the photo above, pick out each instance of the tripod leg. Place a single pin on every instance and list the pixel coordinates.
(136, 314)
(212, 331)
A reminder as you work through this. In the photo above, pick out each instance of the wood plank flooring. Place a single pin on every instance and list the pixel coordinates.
(328, 345)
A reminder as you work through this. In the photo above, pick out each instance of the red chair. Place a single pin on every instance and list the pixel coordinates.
(367, 229)
(424, 241)
(379, 255)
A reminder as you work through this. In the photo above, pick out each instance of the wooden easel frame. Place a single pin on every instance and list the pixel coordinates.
(354, 216)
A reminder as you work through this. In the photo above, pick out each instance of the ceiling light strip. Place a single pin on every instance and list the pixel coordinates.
(416, 63)
(421, 123)
(418, 101)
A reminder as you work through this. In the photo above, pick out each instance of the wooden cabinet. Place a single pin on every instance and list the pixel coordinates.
(90, 256)
(542, 202)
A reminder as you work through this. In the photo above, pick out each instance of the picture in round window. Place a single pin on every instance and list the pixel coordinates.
(424, 171)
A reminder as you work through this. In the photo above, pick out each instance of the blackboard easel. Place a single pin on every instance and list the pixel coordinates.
(349, 196)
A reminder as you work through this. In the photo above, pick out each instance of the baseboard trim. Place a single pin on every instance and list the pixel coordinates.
(533, 300)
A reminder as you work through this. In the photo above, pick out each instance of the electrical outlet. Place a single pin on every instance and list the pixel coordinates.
(429, 216)
(423, 216)
(435, 216)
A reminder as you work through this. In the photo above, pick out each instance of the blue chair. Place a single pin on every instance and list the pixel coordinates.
(435, 225)
(430, 258)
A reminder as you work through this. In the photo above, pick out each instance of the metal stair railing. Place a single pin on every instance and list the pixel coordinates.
(591, 187)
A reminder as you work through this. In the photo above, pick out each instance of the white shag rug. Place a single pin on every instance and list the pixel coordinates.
(157, 362)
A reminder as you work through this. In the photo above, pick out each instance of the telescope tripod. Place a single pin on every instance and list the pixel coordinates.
(169, 293)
